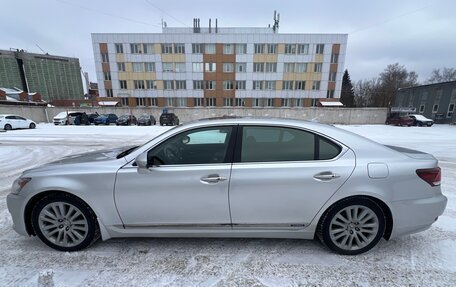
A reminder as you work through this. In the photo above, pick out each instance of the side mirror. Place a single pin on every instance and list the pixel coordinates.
(141, 160)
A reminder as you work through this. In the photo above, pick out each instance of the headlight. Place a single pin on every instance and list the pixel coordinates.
(19, 183)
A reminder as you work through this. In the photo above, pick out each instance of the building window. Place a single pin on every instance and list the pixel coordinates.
(198, 85)
(257, 85)
(169, 102)
(228, 67)
(153, 102)
(450, 110)
(286, 102)
(228, 49)
(288, 67)
(228, 102)
(241, 67)
(123, 85)
(300, 85)
(422, 109)
(258, 67)
(257, 102)
(303, 49)
(210, 85)
(124, 101)
(167, 48)
(271, 67)
(330, 94)
(109, 93)
(241, 48)
(272, 48)
(299, 102)
(227, 85)
(107, 76)
(320, 49)
(141, 102)
(198, 102)
(209, 49)
(435, 109)
(121, 67)
(210, 67)
(181, 102)
(135, 48)
(180, 67)
(301, 67)
(197, 67)
(210, 102)
(150, 66)
(181, 85)
(334, 58)
(318, 67)
(197, 48)
(240, 102)
(139, 84)
(119, 48)
(269, 102)
(332, 76)
(138, 67)
(290, 49)
(149, 48)
(150, 85)
(104, 57)
(287, 85)
(168, 85)
(240, 85)
(168, 67)
(259, 48)
(270, 85)
(179, 48)
(316, 85)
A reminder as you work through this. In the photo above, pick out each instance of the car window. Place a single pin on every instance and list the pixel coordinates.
(271, 144)
(10, 117)
(198, 146)
(20, 118)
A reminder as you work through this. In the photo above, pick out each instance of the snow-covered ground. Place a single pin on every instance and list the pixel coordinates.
(424, 259)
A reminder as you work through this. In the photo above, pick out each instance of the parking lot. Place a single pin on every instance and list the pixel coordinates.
(423, 259)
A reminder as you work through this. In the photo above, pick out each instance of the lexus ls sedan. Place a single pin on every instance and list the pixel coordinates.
(234, 177)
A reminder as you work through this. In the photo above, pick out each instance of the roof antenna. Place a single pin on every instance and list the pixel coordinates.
(275, 26)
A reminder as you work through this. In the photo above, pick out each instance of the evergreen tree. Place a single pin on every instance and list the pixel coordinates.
(347, 95)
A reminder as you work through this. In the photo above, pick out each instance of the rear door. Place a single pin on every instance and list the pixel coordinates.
(281, 176)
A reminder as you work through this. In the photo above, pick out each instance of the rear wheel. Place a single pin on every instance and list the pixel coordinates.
(352, 226)
(420, 124)
(8, 127)
(32, 125)
(64, 223)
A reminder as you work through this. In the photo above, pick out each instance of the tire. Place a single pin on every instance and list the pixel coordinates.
(420, 124)
(387, 123)
(32, 126)
(339, 235)
(87, 226)
(8, 127)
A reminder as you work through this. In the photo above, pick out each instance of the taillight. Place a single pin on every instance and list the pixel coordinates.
(432, 176)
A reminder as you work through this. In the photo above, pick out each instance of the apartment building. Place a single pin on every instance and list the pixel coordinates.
(54, 77)
(219, 67)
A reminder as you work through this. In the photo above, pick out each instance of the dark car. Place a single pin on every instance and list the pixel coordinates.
(126, 120)
(105, 119)
(146, 120)
(82, 119)
(400, 121)
(93, 116)
(169, 119)
(421, 121)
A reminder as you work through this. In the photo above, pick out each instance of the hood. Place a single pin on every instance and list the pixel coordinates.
(100, 155)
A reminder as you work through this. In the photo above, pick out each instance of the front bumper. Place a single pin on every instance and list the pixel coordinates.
(16, 207)
(411, 216)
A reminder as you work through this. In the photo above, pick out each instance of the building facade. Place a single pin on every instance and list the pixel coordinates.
(434, 101)
(188, 67)
(54, 77)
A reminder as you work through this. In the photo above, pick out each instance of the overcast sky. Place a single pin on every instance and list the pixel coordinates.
(419, 34)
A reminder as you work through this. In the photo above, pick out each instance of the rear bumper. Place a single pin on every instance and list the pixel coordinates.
(411, 216)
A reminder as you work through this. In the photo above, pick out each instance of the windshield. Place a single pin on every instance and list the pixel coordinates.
(127, 152)
(143, 117)
(123, 117)
(420, 117)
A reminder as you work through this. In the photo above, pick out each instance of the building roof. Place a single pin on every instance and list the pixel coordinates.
(428, 85)
(10, 91)
(331, 104)
(107, 103)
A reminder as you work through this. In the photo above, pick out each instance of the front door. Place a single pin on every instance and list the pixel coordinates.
(186, 184)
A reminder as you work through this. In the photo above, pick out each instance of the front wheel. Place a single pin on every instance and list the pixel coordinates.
(32, 126)
(64, 223)
(8, 127)
(352, 226)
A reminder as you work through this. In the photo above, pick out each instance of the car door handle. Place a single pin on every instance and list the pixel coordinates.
(212, 178)
(326, 175)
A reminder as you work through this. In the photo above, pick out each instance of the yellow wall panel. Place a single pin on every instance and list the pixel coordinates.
(261, 58)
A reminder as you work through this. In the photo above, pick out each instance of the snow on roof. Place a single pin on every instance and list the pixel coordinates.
(11, 99)
(108, 103)
(331, 104)
(10, 91)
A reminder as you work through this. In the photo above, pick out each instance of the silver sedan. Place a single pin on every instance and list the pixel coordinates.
(234, 178)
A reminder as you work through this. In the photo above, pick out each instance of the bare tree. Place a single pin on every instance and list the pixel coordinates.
(365, 92)
(446, 75)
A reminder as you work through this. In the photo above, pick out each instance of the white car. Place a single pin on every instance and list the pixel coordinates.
(10, 122)
(63, 118)
(421, 120)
